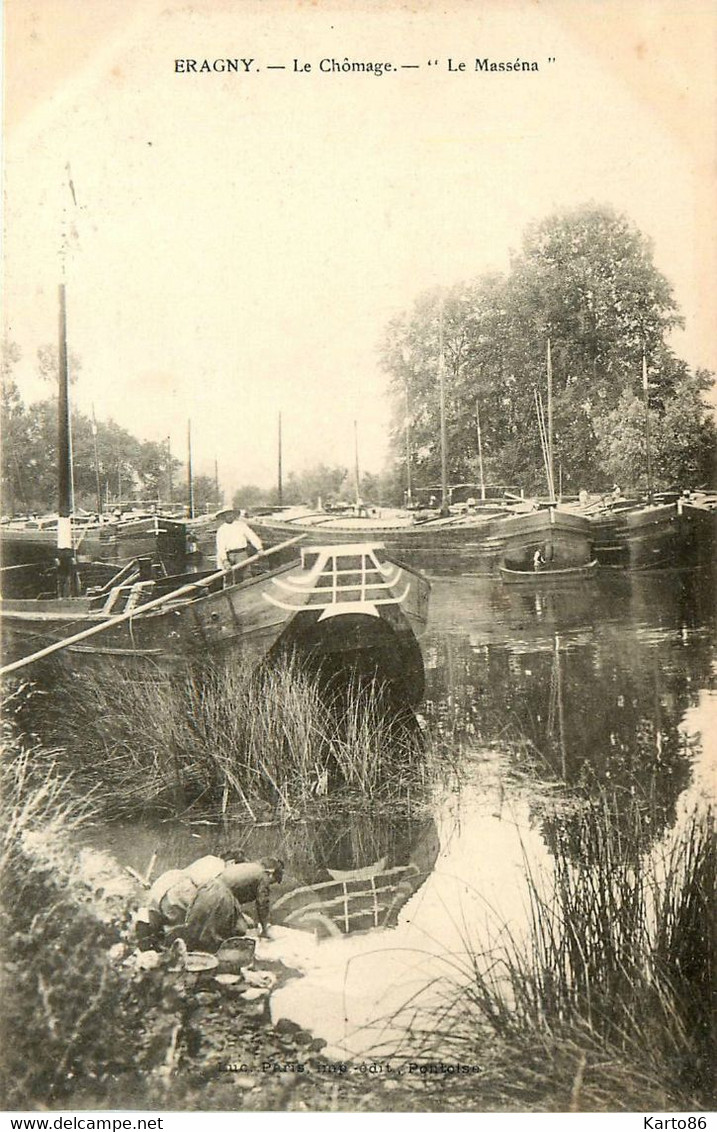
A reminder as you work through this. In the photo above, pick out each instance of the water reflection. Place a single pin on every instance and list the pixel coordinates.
(363, 869)
(588, 688)
(605, 684)
(390, 854)
(369, 992)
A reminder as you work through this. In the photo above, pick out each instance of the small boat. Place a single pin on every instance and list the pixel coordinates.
(339, 607)
(547, 575)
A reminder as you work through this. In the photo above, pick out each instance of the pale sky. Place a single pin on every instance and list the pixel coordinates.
(239, 241)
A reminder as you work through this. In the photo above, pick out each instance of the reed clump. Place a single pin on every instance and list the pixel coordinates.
(607, 1005)
(225, 736)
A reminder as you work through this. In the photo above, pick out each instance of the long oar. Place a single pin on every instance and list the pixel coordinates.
(139, 611)
(22, 566)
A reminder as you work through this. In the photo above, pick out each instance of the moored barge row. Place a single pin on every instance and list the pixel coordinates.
(667, 533)
(471, 543)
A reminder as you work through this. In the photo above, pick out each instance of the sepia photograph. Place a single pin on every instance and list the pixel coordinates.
(357, 559)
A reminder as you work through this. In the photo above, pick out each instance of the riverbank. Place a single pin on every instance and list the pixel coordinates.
(89, 1023)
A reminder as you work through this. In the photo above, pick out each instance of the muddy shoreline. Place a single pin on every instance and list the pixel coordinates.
(225, 1051)
(236, 1057)
(97, 1023)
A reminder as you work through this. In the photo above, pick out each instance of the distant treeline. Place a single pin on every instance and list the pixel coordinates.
(107, 459)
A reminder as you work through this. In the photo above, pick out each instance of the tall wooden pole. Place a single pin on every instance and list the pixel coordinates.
(279, 481)
(190, 477)
(170, 485)
(98, 489)
(551, 462)
(65, 556)
(442, 387)
(216, 483)
(409, 494)
(356, 463)
(480, 454)
(648, 453)
(539, 412)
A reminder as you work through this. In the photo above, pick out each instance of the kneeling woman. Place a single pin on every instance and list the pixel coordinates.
(215, 913)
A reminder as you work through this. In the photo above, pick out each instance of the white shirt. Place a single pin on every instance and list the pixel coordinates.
(234, 536)
(173, 891)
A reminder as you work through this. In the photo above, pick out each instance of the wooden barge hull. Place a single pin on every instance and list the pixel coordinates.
(480, 546)
(653, 537)
(343, 608)
(164, 541)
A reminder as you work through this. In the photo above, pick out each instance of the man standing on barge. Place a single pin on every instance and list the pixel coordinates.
(234, 537)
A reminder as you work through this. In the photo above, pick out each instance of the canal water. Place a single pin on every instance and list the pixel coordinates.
(604, 683)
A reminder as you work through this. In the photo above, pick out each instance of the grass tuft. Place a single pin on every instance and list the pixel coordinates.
(607, 1005)
(268, 743)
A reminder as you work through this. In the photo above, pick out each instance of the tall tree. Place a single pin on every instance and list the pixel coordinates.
(584, 280)
(318, 482)
(206, 496)
(251, 495)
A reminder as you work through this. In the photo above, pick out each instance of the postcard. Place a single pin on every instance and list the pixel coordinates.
(358, 529)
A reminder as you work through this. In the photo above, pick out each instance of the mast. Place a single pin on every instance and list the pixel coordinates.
(545, 448)
(279, 484)
(119, 477)
(65, 557)
(356, 463)
(170, 485)
(648, 453)
(442, 386)
(480, 453)
(190, 477)
(216, 482)
(408, 449)
(551, 461)
(98, 489)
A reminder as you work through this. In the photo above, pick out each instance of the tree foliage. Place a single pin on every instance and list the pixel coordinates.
(252, 495)
(320, 481)
(129, 469)
(585, 281)
(207, 495)
(681, 438)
